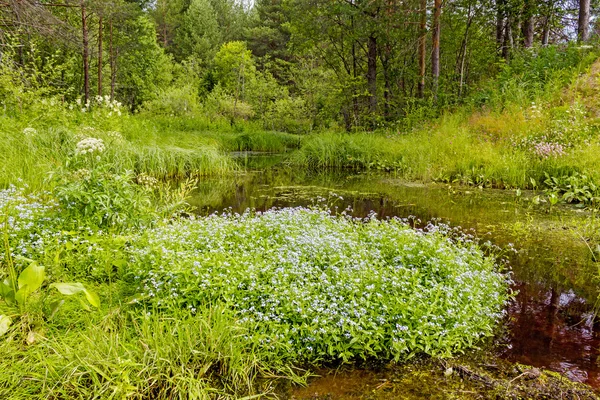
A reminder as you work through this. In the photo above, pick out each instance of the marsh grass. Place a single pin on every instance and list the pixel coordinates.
(32, 156)
(142, 355)
(474, 149)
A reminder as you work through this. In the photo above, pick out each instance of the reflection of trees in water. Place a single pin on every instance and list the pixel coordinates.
(554, 329)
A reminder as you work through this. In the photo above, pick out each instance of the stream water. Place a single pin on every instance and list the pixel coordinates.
(550, 322)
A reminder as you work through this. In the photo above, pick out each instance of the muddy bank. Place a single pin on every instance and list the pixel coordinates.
(476, 376)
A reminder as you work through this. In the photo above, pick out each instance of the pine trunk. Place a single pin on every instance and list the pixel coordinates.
(100, 56)
(372, 72)
(422, 49)
(86, 62)
(435, 55)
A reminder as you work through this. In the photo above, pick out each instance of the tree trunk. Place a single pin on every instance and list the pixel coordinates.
(546, 31)
(500, 14)
(100, 56)
(372, 72)
(164, 28)
(435, 56)
(422, 49)
(508, 40)
(583, 26)
(462, 54)
(112, 61)
(528, 27)
(86, 63)
(355, 104)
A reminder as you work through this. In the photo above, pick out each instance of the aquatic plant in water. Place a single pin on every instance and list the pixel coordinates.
(326, 287)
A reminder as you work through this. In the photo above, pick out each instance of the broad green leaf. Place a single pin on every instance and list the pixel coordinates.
(92, 298)
(5, 323)
(33, 276)
(22, 294)
(68, 289)
(7, 292)
(84, 305)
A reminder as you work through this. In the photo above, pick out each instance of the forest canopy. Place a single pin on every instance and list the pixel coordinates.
(293, 65)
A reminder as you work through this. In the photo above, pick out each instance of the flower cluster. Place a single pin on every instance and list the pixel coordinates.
(535, 111)
(149, 182)
(328, 287)
(26, 218)
(545, 146)
(82, 174)
(115, 136)
(104, 102)
(90, 146)
(29, 132)
(546, 150)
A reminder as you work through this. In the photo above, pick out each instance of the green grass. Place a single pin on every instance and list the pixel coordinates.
(476, 149)
(32, 157)
(240, 137)
(125, 353)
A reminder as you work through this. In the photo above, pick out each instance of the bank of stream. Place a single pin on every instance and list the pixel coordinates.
(549, 325)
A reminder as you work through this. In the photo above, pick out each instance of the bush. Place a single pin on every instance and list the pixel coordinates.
(174, 101)
(289, 115)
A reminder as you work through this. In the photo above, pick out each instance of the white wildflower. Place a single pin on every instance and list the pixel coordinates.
(90, 145)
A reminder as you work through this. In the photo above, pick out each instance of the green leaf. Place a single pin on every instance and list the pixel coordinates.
(33, 276)
(84, 305)
(68, 289)
(92, 298)
(7, 292)
(22, 294)
(5, 323)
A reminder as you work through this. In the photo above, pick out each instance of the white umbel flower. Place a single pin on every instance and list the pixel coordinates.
(90, 146)
(29, 132)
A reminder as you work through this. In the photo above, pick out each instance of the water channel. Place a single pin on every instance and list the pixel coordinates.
(550, 323)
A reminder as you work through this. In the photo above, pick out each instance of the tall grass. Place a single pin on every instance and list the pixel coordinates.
(190, 131)
(139, 355)
(455, 149)
(32, 156)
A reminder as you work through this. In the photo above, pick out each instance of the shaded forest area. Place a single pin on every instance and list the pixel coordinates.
(291, 65)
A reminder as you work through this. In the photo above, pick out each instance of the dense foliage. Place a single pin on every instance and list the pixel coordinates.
(327, 287)
(289, 65)
(111, 111)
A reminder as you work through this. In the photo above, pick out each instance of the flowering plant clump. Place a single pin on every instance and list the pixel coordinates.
(547, 149)
(28, 220)
(102, 102)
(149, 182)
(567, 128)
(326, 287)
(535, 111)
(29, 132)
(115, 136)
(90, 146)
(82, 173)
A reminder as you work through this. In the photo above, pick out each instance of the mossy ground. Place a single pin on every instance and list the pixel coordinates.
(473, 376)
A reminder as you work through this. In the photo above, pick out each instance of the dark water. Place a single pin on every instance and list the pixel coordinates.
(550, 323)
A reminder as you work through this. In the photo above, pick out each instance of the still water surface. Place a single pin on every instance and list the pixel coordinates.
(550, 323)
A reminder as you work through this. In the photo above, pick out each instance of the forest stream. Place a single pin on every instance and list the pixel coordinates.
(549, 324)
